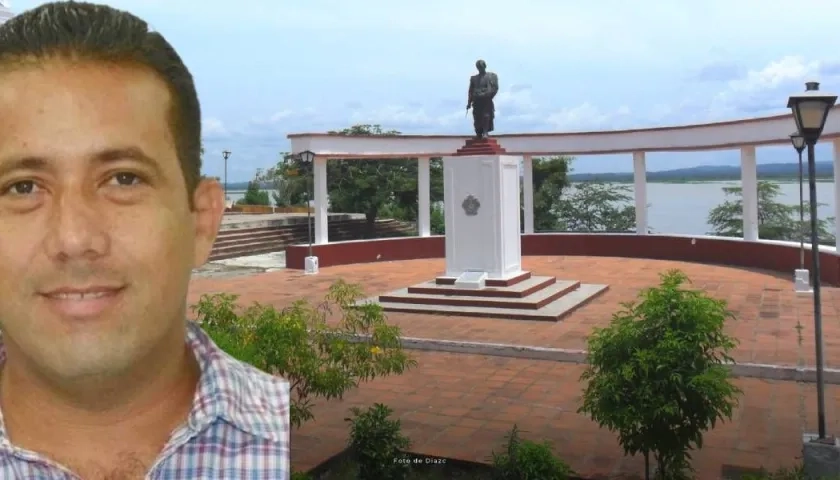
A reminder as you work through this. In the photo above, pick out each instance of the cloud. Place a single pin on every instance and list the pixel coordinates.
(718, 71)
(765, 90)
(213, 128)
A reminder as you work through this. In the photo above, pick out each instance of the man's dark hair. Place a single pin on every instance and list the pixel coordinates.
(82, 31)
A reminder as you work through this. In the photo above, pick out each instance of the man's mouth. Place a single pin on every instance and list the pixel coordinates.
(83, 302)
(82, 295)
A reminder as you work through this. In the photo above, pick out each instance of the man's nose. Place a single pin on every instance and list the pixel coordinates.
(77, 228)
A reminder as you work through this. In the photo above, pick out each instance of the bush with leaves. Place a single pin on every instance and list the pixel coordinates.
(318, 358)
(377, 444)
(527, 460)
(658, 374)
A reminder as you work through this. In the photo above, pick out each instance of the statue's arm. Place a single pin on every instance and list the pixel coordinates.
(494, 86)
(470, 94)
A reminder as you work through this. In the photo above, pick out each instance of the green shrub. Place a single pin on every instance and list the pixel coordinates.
(301, 476)
(318, 359)
(527, 460)
(254, 196)
(657, 375)
(377, 444)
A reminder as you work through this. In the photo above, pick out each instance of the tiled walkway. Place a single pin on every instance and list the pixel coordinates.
(465, 412)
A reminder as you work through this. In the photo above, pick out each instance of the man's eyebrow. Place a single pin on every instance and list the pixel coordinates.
(110, 155)
(127, 153)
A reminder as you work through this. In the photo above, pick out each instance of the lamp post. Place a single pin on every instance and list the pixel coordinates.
(225, 155)
(307, 160)
(810, 111)
(798, 142)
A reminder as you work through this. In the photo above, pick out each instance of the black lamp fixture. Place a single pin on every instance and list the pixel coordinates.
(810, 111)
(306, 158)
(225, 155)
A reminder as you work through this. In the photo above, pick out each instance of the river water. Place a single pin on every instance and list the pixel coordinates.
(683, 208)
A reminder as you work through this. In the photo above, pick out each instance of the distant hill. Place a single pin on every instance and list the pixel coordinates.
(693, 174)
(707, 173)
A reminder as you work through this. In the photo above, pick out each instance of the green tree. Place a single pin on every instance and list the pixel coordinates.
(658, 375)
(549, 181)
(597, 207)
(254, 196)
(320, 358)
(776, 221)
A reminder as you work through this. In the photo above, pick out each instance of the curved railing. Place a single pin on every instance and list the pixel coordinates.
(781, 257)
(773, 130)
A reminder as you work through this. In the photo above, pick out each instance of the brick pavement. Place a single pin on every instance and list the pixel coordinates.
(766, 307)
(464, 413)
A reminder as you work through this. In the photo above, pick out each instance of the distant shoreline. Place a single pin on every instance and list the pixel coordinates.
(822, 179)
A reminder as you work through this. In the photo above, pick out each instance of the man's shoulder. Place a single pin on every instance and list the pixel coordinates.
(492, 75)
(252, 399)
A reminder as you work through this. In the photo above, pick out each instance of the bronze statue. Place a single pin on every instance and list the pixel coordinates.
(483, 87)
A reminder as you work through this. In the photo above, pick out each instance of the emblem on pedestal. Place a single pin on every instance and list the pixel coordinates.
(471, 206)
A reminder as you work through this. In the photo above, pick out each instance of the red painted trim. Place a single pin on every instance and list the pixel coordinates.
(737, 253)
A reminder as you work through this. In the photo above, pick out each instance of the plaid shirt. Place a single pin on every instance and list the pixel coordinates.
(238, 428)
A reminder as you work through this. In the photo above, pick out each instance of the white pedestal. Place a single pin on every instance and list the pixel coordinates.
(481, 203)
(802, 281)
(310, 265)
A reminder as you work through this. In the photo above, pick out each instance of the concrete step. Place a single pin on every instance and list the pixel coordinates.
(245, 253)
(534, 301)
(552, 312)
(517, 290)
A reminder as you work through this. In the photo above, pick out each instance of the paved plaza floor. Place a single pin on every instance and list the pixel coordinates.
(460, 405)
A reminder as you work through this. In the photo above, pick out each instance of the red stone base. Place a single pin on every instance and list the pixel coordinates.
(481, 146)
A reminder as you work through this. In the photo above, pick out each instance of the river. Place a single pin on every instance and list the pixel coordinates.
(682, 208)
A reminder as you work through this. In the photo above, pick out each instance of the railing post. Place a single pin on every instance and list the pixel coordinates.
(528, 193)
(424, 226)
(640, 192)
(836, 147)
(749, 193)
(321, 201)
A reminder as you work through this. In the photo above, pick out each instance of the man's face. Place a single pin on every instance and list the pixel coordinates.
(97, 240)
(481, 66)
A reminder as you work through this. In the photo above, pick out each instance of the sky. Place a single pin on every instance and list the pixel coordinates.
(267, 68)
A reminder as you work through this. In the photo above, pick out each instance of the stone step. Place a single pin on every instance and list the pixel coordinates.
(518, 290)
(535, 301)
(552, 312)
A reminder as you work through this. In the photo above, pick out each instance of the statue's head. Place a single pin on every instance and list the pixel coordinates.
(481, 65)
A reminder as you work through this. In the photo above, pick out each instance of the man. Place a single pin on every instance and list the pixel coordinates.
(483, 88)
(103, 216)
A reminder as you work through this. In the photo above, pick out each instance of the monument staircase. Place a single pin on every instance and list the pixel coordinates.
(240, 242)
(525, 297)
(483, 251)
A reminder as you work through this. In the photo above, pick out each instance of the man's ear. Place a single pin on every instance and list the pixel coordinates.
(208, 209)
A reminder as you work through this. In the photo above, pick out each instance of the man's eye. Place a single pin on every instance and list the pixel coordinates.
(25, 187)
(126, 179)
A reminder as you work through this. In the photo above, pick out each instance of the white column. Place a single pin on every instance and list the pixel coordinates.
(749, 192)
(528, 192)
(321, 201)
(424, 224)
(836, 144)
(640, 192)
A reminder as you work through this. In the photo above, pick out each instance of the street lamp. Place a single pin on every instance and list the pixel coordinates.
(307, 159)
(798, 142)
(225, 155)
(810, 111)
